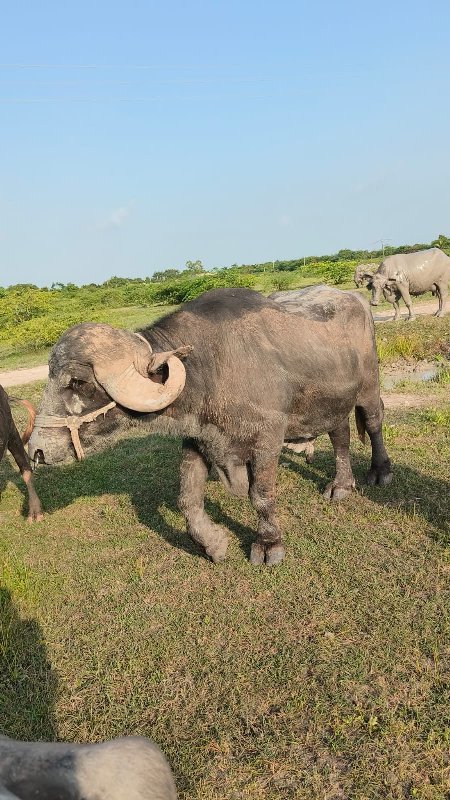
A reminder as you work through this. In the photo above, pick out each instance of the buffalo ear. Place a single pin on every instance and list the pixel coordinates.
(158, 359)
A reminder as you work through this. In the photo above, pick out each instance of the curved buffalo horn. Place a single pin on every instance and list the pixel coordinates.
(131, 390)
(122, 363)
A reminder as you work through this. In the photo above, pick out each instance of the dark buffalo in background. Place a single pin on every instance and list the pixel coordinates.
(128, 768)
(234, 374)
(10, 440)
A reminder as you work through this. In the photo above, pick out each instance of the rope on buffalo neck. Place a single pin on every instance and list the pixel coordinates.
(73, 423)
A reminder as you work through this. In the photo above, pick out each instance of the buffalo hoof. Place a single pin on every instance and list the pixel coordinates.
(35, 512)
(380, 477)
(35, 517)
(336, 492)
(217, 549)
(271, 554)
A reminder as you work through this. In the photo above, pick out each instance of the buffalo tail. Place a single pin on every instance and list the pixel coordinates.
(31, 416)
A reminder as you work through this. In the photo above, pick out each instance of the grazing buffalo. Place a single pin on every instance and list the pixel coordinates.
(129, 768)
(363, 277)
(235, 375)
(10, 440)
(413, 274)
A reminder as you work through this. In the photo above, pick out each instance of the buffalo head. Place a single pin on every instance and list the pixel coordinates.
(363, 275)
(378, 284)
(99, 376)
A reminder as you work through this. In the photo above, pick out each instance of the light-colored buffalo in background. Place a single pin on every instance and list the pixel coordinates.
(363, 277)
(406, 274)
(128, 768)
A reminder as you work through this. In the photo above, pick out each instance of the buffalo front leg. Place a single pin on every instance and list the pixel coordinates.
(193, 474)
(17, 450)
(344, 481)
(268, 547)
(404, 291)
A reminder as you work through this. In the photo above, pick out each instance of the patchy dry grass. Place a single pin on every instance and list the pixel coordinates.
(423, 338)
(327, 677)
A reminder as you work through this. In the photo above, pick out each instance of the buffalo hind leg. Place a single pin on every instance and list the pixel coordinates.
(442, 292)
(380, 471)
(268, 547)
(344, 481)
(17, 450)
(193, 474)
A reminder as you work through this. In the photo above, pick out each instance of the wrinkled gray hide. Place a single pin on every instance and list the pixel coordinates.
(413, 274)
(129, 768)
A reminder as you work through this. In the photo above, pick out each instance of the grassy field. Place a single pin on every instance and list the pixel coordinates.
(326, 678)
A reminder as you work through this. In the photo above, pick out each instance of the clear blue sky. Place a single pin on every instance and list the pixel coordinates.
(137, 135)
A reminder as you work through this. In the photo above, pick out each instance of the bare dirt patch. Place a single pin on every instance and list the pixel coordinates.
(18, 377)
(397, 400)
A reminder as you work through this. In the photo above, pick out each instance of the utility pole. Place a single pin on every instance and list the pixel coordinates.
(383, 243)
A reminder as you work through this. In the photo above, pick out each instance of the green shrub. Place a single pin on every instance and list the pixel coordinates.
(281, 282)
(180, 291)
(17, 307)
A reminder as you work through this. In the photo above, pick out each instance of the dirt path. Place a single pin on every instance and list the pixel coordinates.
(398, 400)
(17, 377)
(427, 307)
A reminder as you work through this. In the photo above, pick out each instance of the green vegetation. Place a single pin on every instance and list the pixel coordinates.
(31, 319)
(325, 677)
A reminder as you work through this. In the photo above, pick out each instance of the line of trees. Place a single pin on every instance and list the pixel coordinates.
(195, 269)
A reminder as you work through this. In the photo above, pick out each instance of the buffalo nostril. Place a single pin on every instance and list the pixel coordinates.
(38, 457)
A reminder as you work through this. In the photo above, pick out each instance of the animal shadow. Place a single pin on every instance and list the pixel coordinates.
(410, 491)
(28, 684)
(147, 468)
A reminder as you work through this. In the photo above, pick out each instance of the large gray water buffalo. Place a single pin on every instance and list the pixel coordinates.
(11, 440)
(409, 274)
(129, 768)
(235, 374)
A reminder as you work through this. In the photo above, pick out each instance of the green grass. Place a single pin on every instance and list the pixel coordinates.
(327, 677)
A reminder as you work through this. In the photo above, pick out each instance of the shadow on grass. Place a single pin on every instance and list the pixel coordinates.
(28, 685)
(411, 492)
(147, 470)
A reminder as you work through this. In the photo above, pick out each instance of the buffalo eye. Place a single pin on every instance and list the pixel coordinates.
(82, 388)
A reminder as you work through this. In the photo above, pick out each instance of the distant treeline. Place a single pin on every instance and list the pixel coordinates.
(32, 318)
(195, 269)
